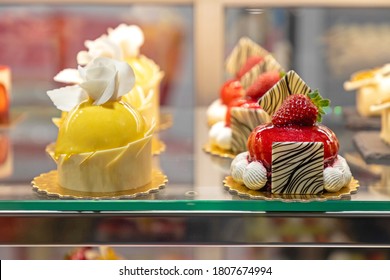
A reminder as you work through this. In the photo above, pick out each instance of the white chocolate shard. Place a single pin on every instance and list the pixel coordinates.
(243, 121)
(297, 168)
(267, 64)
(290, 84)
(241, 52)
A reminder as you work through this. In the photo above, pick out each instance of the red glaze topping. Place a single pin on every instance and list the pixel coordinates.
(261, 139)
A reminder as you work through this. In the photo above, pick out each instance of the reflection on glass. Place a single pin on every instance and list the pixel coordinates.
(6, 158)
(5, 88)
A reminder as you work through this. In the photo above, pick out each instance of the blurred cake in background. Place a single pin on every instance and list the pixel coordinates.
(89, 253)
(245, 55)
(383, 108)
(5, 89)
(372, 87)
(233, 116)
(103, 144)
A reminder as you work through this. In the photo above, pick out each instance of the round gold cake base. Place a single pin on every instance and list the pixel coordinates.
(47, 184)
(238, 189)
(216, 151)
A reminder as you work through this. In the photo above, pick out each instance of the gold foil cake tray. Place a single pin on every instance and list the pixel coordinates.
(47, 184)
(240, 190)
(216, 151)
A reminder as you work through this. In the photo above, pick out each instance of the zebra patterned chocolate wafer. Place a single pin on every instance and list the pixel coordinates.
(243, 121)
(241, 52)
(268, 64)
(290, 84)
(297, 168)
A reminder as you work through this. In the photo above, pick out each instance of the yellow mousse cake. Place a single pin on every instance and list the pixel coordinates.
(122, 43)
(103, 144)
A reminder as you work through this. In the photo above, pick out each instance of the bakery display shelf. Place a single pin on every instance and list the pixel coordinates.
(195, 178)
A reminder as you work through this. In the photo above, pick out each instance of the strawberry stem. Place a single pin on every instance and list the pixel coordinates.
(319, 102)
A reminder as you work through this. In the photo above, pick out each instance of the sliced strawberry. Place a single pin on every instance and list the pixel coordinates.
(299, 109)
(243, 103)
(250, 62)
(261, 139)
(263, 83)
(230, 90)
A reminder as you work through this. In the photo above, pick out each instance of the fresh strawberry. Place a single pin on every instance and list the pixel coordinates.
(231, 89)
(299, 109)
(263, 83)
(243, 103)
(261, 139)
(250, 62)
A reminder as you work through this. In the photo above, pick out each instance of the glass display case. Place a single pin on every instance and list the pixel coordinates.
(324, 43)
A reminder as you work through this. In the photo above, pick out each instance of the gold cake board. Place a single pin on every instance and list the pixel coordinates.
(216, 151)
(238, 189)
(47, 184)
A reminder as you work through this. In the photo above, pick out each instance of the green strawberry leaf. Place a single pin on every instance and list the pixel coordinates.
(319, 102)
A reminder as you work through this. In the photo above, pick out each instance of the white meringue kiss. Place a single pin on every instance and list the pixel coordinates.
(337, 176)
(333, 179)
(221, 136)
(255, 176)
(237, 170)
(102, 79)
(342, 165)
(216, 112)
(239, 157)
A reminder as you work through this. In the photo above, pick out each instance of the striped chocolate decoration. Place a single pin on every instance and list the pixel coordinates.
(243, 121)
(290, 84)
(268, 64)
(241, 52)
(297, 168)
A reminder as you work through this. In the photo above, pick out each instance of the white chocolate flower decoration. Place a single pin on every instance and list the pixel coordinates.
(102, 80)
(101, 47)
(129, 37)
(121, 43)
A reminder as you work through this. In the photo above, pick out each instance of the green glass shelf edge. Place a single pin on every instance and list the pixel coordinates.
(194, 205)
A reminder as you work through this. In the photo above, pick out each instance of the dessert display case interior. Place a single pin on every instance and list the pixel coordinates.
(325, 45)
